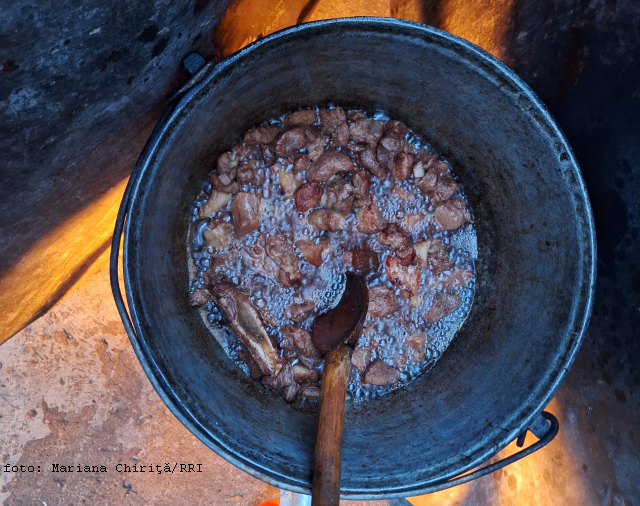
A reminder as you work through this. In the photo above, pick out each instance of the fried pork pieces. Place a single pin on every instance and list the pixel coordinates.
(306, 198)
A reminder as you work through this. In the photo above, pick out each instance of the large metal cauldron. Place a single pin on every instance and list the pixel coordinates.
(535, 267)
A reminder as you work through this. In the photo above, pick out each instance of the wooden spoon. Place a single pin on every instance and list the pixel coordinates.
(335, 332)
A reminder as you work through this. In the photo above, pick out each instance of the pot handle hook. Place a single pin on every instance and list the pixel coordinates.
(545, 427)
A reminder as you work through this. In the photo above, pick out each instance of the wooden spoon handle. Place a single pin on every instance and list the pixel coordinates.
(326, 472)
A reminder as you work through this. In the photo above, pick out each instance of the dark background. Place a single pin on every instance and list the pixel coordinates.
(82, 84)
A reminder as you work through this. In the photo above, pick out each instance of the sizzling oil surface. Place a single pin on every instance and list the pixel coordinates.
(323, 285)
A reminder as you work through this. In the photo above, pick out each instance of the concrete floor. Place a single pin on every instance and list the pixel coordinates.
(72, 392)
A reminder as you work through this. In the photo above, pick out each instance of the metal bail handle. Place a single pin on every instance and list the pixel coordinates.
(545, 426)
(197, 66)
(114, 261)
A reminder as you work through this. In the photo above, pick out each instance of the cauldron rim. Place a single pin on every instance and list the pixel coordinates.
(164, 130)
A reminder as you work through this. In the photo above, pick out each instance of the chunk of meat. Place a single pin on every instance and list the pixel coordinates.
(415, 347)
(445, 187)
(215, 261)
(226, 166)
(382, 302)
(256, 257)
(340, 136)
(407, 277)
(251, 172)
(437, 184)
(231, 188)
(443, 305)
(338, 195)
(388, 149)
(244, 320)
(267, 317)
(408, 148)
(243, 153)
(362, 261)
(331, 162)
(418, 170)
(316, 143)
(380, 374)
(300, 312)
(284, 383)
(241, 165)
(370, 219)
(392, 237)
(451, 214)
(331, 118)
(422, 252)
(423, 161)
(262, 134)
(323, 219)
(290, 392)
(411, 223)
(279, 247)
(245, 356)
(282, 379)
(406, 255)
(427, 182)
(303, 374)
(360, 359)
(311, 251)
(276, 168)
(362, 188)
(308, 353)
(311, 393)
(366, 130)
(308, 196)
(402, 194)
(405, 294)
(290, 142)
(426, 157)
(400, 360)
(438, 259)
(268, 155)
(289, 183)
(457, 277)
(334, 123)
(216, 202)
(199, 297)
(306, 117)
(245, 210)
(301, 163)
(369, 161)
(354, 149)
(402, 166)
(217, 234)
(287, 343)
(394, 128)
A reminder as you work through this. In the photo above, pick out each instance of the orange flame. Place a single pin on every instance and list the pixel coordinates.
(484, 23)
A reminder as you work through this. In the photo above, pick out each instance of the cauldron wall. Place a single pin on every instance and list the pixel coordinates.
(535, 270)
